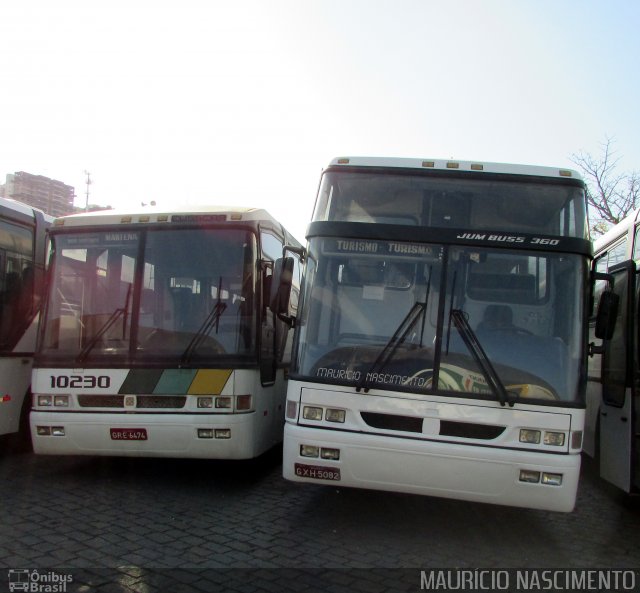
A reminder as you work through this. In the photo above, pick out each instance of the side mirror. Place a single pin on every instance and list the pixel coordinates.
(606, 315)
(281, 289)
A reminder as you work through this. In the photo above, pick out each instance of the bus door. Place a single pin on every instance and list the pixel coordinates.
(620, 385)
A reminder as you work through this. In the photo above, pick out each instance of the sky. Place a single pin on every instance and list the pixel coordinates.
(244, 103)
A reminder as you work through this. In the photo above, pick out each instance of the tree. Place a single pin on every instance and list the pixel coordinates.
(610, 195)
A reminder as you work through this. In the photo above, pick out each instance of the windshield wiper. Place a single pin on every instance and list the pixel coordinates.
(212, 319)
(394, 341)
(122, 311)
(471, 340)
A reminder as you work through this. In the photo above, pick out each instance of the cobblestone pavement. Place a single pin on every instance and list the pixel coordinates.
(183, 525)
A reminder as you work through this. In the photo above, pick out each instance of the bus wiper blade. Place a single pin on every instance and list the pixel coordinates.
(122, 311)
(394, 341)
(89, 346)
(212, 320)
(480, 356)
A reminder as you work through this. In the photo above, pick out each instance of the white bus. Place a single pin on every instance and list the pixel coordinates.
(441, 344)
(158, 335)
(22, 259)
(612, 426)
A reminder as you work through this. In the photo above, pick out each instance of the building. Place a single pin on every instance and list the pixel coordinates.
(51, 196)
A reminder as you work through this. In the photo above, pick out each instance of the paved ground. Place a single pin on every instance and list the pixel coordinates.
(158, 525)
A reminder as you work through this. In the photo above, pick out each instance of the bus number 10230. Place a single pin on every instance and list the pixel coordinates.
(80, 381)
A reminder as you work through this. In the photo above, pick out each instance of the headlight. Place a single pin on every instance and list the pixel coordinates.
(312, 413)
(529, 436)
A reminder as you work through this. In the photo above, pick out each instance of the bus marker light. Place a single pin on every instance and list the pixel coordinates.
(333, 454)
(223, 402)
(57, 431)
(312, 413)
(529, 476)
(43, 431)
(529, 436)
(554, 438)
(309, 451)
(205, 402)
(292, 409)
(61, 401)
(334, 415)
(222, 433)
(5, 398)
(243, 402)
(576, 439)
(45, 400)
(205, 433)
(552, 479)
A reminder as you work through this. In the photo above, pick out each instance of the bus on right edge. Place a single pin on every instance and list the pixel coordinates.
(612, 426)
(441, 338)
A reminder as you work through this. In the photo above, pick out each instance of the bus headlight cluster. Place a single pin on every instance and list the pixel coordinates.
(321, 452)
(47, 431)
(534, 477)
(226, 402)
(317, 414)
(47, 401)
(534, 437)
(214, 433)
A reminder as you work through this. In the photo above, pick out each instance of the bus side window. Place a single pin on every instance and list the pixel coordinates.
(636, 244)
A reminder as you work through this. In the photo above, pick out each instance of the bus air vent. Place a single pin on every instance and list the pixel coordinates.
(101, 401)
(469, 430)
(392, 422)
(161, 401)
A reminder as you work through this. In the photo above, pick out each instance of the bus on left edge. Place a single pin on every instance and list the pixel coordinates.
(23, 252)
(159, 336)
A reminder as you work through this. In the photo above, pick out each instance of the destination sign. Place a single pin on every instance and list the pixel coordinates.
(383, 248)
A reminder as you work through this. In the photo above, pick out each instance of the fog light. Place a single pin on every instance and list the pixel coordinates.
(223, 433)
(205, 402)
(576, 439)
(334, 415)
(45, 400)
(555, 439)
(243, 402)
(311, 413)
(529, 436)
(223, 402)
(529, 476)
(552, 479)
(43, 431)
(61, 401)
(292, 409)
(330, 454)
(205, 433)
(309, 451)
(57, 431)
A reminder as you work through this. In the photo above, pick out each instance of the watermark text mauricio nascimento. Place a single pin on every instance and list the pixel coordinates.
(528, 580)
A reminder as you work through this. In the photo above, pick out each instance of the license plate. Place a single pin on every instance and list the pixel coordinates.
(128, 434)
(317, 472)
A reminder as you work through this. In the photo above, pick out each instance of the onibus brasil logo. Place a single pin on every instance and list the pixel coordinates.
(34, 581)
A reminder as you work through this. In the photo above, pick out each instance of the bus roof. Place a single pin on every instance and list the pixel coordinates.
(20, 211)
(454, 165)
(157, 214)
(615, 231)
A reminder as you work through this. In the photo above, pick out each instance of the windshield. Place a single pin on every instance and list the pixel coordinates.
(496, 324)
(183, 294)
(551, 207)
